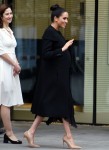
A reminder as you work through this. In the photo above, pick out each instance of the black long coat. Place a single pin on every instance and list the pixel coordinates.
(53, 97)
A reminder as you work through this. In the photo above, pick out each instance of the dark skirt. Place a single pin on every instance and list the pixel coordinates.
(53, 97)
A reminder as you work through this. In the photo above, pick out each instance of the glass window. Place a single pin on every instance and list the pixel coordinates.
(76, 30)
(103, 63)
(30, 20)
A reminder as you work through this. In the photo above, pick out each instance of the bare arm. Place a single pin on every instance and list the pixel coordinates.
(16, 67)
(6, 58)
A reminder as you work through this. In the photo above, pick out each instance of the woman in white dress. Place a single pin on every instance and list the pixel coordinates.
(10, 89)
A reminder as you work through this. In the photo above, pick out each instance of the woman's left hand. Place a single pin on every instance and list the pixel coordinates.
(16, 69)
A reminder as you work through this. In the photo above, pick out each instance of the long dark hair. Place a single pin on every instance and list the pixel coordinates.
(56, 11)
(3, 7)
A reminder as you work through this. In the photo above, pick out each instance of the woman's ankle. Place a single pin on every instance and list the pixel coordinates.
(68, 136)
(31, 132)
(9, 133)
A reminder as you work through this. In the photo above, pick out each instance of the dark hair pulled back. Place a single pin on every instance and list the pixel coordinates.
(56, 11)
(3, 7)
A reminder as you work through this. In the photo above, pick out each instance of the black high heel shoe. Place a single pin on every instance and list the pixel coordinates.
(7, 139)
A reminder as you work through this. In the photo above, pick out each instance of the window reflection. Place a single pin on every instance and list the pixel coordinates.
(29, 24)
(26, 51)
(78, 51)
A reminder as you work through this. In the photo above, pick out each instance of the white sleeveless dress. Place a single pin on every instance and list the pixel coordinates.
(10, 88)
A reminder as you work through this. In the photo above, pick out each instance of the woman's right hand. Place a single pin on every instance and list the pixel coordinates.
(66, 46)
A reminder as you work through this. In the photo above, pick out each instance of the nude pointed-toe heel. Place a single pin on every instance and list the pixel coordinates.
(69, 143)
(30, 140)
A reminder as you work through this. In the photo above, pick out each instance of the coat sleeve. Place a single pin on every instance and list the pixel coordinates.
(2, 51)
(47, 50)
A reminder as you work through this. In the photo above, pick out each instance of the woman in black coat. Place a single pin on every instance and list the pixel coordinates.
(53, 96)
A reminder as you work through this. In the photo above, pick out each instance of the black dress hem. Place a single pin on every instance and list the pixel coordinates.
(52, 119)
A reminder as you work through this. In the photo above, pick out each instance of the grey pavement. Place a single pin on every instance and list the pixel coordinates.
(50, 137)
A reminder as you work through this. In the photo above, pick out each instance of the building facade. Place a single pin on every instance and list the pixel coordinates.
(88, 25)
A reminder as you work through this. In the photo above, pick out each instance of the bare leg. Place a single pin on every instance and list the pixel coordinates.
(35, 124)
(0, 110)
(5, 115)
(67, 129)
(29, 135)
(68, 138)
(2, 130)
